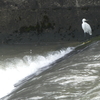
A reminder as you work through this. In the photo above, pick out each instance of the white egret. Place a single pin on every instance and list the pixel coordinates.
(86, 27)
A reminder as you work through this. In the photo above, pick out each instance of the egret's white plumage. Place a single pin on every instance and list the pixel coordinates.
(86, 27)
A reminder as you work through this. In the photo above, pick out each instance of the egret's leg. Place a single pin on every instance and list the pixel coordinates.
(90, 37)
(84, 34)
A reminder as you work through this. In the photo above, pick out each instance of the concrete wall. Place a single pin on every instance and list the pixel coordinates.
(29, 21)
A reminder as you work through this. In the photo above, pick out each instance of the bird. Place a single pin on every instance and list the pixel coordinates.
(86, 27)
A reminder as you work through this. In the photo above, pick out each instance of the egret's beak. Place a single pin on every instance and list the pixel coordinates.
(86, 20)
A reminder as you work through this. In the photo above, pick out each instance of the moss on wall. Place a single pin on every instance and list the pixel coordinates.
(39, 27)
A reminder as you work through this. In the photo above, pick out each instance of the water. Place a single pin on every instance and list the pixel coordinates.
(74, 78)
(19, 61)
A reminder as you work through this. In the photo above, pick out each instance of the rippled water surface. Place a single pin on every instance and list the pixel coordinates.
(73, 78)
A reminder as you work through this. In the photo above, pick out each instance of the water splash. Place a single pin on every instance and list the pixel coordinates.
(14, 69)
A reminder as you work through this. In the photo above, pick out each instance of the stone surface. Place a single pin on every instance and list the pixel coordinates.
(29, 21)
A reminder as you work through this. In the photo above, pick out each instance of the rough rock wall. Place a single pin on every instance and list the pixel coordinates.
(28, 21)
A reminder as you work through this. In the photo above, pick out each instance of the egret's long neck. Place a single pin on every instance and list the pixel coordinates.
(83, 21)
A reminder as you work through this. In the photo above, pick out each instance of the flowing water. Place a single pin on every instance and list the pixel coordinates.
(47, 72)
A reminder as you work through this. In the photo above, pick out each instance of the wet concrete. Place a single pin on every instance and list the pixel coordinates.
(25, 21)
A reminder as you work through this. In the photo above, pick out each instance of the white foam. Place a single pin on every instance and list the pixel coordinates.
(36, 98)
(14, 69)
(74, 79)
(61, 97)
(78, 79)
